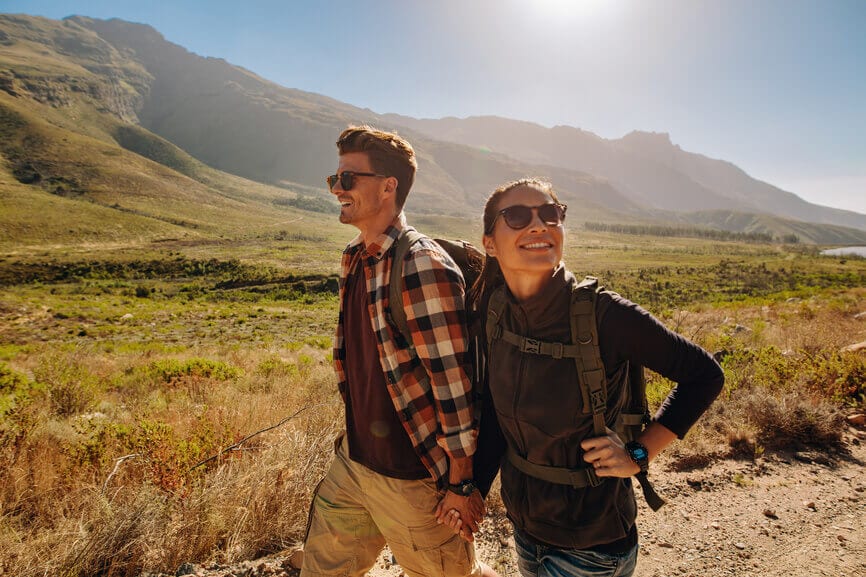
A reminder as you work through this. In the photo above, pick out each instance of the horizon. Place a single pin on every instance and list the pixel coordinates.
(775, 88)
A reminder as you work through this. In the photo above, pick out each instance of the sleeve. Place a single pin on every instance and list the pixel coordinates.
(434, 301)
(627, 332)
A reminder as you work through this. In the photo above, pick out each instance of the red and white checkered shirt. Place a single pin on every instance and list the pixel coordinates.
(436, 412)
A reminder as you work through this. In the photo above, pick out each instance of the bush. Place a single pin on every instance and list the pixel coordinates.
(171, 370)
(71, 388)
(792, 422)
(839, 376)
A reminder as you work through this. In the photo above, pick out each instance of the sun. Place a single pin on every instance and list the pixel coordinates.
(569, 10)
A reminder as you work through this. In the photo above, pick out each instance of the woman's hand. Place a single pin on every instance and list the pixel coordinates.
(465, 523)
(608, 456)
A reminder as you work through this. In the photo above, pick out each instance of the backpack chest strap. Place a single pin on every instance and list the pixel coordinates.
(535, 346)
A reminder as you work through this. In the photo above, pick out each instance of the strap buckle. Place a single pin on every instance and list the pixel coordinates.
(598, 401)
(591, 478)
(557, 350)
(530, 346)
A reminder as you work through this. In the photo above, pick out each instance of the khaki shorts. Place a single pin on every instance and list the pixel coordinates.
(356, 511)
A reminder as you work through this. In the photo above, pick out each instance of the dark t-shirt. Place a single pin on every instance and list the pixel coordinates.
(376, 437)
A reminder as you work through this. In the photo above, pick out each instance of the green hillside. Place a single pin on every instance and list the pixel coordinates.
(110, 133)
(75, 170)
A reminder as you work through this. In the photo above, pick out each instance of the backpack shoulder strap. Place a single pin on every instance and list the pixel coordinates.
(395, 291)
(590, 369)
(495, 310)
(585, 332)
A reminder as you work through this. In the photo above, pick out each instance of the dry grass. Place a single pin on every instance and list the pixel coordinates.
(788, 382)
(101, 443)
(115, 490)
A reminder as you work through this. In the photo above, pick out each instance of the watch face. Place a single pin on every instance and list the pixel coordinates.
(464, 488)
(639, 453)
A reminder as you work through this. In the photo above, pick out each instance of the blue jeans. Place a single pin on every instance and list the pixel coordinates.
(536, 560)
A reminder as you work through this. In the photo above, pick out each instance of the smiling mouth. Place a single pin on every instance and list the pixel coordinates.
(537, 245)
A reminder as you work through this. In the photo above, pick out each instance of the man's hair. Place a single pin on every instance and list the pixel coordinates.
(388, 152)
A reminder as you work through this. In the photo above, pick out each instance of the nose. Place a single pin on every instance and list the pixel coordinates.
(536, 224)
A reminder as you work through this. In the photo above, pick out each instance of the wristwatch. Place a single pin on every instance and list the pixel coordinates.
(638, 454)
(464, 488)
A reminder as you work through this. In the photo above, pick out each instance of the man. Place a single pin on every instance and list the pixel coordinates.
(410, 432)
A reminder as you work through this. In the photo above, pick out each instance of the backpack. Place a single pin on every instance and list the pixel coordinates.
(584, 349)
(491, 443)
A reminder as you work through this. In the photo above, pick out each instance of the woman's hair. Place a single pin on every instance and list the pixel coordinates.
(491, 275)
(389, 154)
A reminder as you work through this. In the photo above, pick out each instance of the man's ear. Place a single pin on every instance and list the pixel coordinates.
(391, 184)
(489, 246)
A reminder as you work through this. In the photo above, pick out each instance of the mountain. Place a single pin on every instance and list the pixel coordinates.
(647, 167)
(110, 131)
(240, 123)
(124, 85)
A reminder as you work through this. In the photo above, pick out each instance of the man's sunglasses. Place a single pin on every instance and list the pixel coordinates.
(519, 216)
(347, 179)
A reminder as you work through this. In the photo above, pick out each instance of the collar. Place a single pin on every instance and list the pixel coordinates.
(545, 308)
(383, 242)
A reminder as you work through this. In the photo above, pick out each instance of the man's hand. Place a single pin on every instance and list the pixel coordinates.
(608, 456)
(462, 514)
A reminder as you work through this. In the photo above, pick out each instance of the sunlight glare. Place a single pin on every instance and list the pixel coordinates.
(572, 8)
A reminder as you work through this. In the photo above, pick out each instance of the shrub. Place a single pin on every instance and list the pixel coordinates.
(792, 422)
(838, 376)
(171, 370)
(71, 387)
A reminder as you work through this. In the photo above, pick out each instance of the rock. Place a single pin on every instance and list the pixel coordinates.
(770, 513)
(855, 347)
(185, 569)
(792, 300)
(841, 538)
(665, 544)
(740, 546)
(810, 505)
(857, 419)
(813, 457)
(127, 317)
(715, 525)
(295, 560)
(721, 355)
(860, 315)
(741, 329)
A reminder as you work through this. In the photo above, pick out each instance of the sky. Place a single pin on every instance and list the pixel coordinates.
(778, 87)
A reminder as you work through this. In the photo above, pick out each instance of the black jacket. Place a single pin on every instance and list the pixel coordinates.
(538, 405)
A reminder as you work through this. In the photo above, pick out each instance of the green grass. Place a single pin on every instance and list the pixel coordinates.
(124, 367)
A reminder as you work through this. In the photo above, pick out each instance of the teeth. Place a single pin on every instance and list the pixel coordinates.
(537, 245)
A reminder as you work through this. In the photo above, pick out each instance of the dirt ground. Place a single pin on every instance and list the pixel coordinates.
(791, 515)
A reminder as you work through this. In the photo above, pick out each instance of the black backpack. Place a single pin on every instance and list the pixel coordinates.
(584, 349)
(491, 443)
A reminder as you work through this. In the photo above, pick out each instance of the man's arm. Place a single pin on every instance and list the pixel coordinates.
(434, 301)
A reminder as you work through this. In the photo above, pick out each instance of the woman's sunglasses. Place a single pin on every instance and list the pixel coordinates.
(347, 179)
(519, 216)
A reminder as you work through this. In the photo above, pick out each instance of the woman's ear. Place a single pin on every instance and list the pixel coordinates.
(489, 246)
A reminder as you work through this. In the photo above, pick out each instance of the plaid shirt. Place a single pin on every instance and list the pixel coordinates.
(436, 412)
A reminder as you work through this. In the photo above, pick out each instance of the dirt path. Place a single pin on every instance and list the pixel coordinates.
(777, 517)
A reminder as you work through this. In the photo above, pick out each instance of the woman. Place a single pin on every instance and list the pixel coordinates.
(585, 526)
